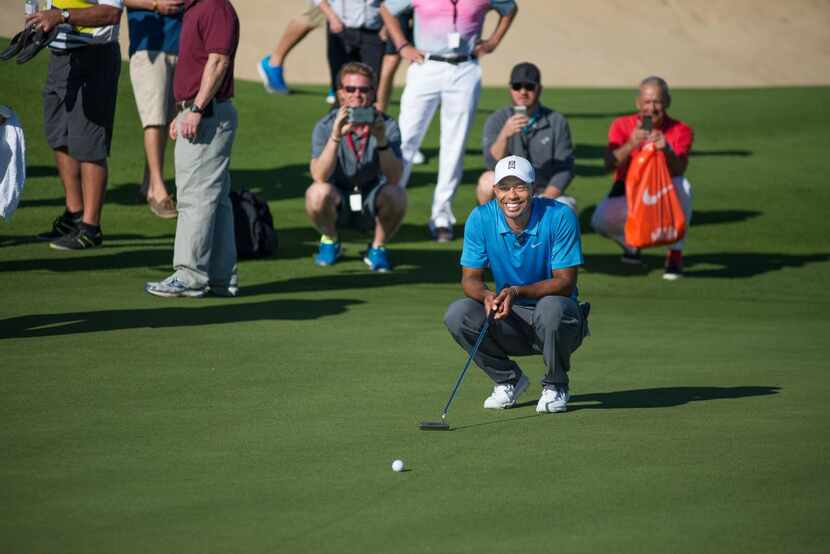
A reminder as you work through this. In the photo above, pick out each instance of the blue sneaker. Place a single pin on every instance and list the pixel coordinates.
(378, 259)
(272, 77)
(173, 288)
(330, 99)
(328, 254)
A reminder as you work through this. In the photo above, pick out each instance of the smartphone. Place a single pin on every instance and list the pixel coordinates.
(520, 110)
(646, 123)
(360, 116)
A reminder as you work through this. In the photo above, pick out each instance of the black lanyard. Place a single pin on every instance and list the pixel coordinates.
(454, 15)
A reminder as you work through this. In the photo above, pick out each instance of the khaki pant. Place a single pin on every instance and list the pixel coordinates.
(205, 250)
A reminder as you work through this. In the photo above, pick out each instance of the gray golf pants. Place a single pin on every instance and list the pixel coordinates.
(554, 328)
(205, 250)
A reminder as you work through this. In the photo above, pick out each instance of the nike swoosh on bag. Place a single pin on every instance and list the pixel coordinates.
(650, 200)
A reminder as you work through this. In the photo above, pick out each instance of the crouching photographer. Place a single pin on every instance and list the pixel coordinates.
(356, 165)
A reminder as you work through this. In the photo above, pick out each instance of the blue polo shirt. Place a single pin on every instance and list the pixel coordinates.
(550, 241)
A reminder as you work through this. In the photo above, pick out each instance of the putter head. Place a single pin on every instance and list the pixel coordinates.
(435, 426)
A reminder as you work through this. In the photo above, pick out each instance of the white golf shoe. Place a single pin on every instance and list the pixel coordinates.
(505, 396)
(554, 399)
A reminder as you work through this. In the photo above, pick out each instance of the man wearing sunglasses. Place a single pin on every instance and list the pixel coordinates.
(533, 249)
(528, 129)
(356, 165)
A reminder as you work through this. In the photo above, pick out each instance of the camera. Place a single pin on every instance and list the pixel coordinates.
(646, 123)
(520, 110)
(361, 116)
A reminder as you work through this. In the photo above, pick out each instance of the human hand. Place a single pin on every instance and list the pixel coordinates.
(412, 54)
(483, 48)
(169, 7)
(189, 125)
(172, 130)
(514, 125)
(341, 123)
(383, 34)
(502, 303)
(658, 138)
(335, 25)
(46, 20)
(638, 136)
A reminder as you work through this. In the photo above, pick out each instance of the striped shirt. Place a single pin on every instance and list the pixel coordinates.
(70, 36)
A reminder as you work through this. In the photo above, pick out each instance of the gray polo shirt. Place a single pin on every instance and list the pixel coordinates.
(366, 170)
(547, 145)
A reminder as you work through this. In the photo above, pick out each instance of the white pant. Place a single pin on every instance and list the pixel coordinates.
(609, 217)
(456, 88)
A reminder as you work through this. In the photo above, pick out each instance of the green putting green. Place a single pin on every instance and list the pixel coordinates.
(269, 423)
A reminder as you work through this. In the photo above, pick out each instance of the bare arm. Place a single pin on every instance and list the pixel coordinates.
(562, 283)
(164, 7)
(323, 166)
(393, 27)
(94, 16)
(335, 24)
(390, 165)
(492, 42)
(212, 76)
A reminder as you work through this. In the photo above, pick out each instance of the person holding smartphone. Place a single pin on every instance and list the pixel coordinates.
(356, 165)
(626, 137)
(528, 129)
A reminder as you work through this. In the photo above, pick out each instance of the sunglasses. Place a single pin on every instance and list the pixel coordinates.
(352, 90)
(530, 87)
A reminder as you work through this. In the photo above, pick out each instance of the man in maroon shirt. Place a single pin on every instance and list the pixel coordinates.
(626, 137)
(204, 256)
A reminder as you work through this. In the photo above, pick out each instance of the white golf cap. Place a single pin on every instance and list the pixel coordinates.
(515, 166)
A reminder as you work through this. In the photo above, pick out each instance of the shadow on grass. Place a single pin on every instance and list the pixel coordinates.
(663, 397)
(735, 265)
(43, 325)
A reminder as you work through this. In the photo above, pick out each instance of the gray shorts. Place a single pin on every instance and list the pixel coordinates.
(79, 100)
(363, 220)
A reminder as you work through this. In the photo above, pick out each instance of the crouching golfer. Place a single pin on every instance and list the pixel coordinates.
(533, 249)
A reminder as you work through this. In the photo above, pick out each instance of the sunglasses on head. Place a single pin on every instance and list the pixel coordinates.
(530, 87)
(351, 90)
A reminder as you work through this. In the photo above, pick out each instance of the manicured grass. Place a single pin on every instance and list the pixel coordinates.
(268, 423)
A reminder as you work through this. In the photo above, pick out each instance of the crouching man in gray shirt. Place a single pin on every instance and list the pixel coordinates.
(532, 131)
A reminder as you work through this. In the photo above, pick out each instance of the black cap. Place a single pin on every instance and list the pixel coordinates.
(525, 72)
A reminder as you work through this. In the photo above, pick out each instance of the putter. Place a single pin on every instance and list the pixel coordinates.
(443, 425)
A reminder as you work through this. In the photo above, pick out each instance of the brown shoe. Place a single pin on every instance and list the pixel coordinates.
(166, 209)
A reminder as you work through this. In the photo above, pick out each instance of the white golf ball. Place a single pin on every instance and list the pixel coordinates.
(397, 465)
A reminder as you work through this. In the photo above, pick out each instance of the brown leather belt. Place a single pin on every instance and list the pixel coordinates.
(186, 104)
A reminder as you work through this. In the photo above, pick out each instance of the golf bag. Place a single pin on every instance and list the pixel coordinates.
(655, 215)
(253, 225)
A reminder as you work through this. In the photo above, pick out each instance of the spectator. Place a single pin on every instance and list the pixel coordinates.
(154, 27)
(270, 67)
(356, 170)
(533, 249)
(625, 138)
(353, 34)
(78, 111)
(530, 130)
(445, 71)
(204, 256)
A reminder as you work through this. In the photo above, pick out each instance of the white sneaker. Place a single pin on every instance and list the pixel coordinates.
(505, 396)
(419, 158)
(554, 399)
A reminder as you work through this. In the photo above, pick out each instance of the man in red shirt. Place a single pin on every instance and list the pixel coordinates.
(204, 256)
(626, 137)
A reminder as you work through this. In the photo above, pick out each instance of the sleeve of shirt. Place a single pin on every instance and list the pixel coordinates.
(319, 138)
(563, 155)
(218, 32)
(681, 144)
(393, 136)
(616, 134)
(474, 252)
(396, 7)
(113, 3)
(504, 7)
(566, 240)
(492, 128)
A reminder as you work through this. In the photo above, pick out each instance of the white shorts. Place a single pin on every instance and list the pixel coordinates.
(151, 73)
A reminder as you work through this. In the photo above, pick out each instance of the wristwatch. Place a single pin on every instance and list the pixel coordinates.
(65, 16)
(196, 109)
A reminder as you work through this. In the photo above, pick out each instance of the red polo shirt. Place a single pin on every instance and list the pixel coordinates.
(678, 135)
(208, 26)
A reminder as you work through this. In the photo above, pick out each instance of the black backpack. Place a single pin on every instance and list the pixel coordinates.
(253, 225)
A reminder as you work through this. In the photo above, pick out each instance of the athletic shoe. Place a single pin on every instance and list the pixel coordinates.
(272, 77)
(79, 239)
(505, 396)
(166, 209)
(554, 399)
(419, 158)
(173, 288)
(631, 256)
(674, 265)
(330, 99)
(378, 259)
(440, 233)
(63, 225)
(328, 253)
(229, 290)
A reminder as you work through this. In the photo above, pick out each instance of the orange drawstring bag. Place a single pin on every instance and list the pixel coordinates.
(655, 215)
